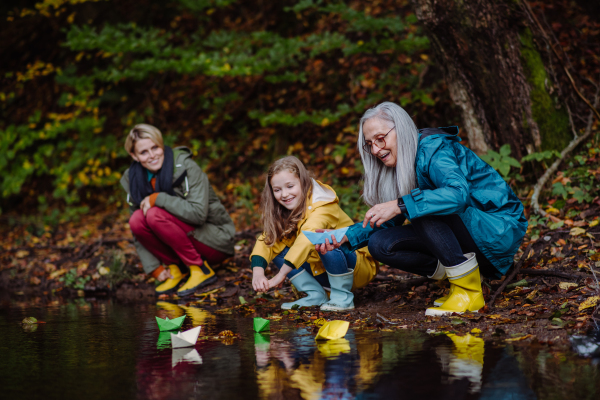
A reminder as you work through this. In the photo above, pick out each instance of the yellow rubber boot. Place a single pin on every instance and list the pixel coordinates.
(170, 285)
(199, 276)
(467, 294)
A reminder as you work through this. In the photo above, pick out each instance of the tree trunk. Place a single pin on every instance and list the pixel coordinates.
(495, 74)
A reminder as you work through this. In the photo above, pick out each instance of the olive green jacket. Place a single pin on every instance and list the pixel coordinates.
(195, 203)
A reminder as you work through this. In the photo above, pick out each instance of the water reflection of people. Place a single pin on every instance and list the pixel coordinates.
(464, 360)
(313, 370)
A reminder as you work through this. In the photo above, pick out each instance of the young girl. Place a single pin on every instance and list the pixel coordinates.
(292, 202)
(178, 223)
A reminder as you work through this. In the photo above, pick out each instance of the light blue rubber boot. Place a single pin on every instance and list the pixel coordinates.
(305, 282)
(341, 298)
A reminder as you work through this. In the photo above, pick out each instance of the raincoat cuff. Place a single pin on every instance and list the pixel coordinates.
(286, 262)
(410, 203)
(258, 261)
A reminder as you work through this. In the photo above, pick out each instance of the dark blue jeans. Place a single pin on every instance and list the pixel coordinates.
(335, 262)
(417, 247)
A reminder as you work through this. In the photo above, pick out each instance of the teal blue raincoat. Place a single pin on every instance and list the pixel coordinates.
(454, 180)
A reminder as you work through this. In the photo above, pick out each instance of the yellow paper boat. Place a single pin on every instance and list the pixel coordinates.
(333, 330)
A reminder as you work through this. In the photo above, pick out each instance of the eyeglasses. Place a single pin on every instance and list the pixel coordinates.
(379, 142)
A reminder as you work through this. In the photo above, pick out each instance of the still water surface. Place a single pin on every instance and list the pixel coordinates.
(107, 350)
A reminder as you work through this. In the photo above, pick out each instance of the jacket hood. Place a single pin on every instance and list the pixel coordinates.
(322, 194)
(450, 132)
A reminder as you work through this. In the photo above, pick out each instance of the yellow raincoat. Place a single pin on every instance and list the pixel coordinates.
(322, 212)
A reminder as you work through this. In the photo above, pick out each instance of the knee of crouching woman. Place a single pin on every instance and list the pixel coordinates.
(137, 221)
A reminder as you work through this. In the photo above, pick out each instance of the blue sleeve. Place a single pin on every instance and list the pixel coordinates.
(358, 237)
(452, 189)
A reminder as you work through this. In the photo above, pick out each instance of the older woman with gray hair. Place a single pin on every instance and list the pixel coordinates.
(465, 221)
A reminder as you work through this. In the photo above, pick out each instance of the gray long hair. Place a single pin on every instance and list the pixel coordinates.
(383, 183)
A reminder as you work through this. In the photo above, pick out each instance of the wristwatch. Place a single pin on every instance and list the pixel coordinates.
(401, 205)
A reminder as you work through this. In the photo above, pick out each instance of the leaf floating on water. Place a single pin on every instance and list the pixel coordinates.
(30, 320)
(516, 339)
(589, 302)
(226, 334)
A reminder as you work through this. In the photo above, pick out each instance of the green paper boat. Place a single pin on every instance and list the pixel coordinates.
(261, 324)
(169, 324)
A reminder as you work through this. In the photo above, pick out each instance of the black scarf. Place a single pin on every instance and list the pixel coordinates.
(139, 187)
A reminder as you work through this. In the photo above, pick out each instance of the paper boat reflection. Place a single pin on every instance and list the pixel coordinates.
(185, 339)
(185, 355)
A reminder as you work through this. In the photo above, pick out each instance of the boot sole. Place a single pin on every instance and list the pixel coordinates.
(193, 290)
(435, 312)
(337, 308)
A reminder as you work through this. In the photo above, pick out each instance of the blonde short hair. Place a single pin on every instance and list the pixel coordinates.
(143, 131)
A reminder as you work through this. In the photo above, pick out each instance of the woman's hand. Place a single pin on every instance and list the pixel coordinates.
(145, 205)
(260, 283)
(280, 277)
(163, 276)
(326, 247)
(381, 213)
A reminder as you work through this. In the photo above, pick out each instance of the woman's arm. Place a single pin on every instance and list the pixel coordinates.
(193, 209)
(452, 189)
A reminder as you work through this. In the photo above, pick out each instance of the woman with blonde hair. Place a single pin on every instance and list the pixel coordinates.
(464, 217)
(178, 223)
(292, 202)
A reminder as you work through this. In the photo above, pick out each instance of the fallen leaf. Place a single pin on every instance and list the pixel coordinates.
(594, 223)
(103, 270)
(516, 339)
(22, 253)
(589, 302)
(476, 330)
(577, 231)
(567, 285)
(35, 280)
(58, 273)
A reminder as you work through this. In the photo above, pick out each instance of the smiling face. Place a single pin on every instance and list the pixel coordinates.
(149, 154)
(376, 128)
(286, 189)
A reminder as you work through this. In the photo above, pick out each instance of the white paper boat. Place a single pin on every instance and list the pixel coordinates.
(185, 355)
(185, 339)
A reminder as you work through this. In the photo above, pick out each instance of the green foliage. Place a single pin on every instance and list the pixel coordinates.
(501, 161)
(239, 91)
(541, 156)
(72, 280)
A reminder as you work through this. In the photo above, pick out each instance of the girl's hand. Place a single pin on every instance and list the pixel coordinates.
(280, 277)
(145, 205)
(260, 283)
(381, 213)
(163, 276)
(325, 247)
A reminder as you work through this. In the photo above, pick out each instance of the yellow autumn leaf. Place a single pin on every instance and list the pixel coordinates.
(103, 270)
(567, 285)
(589, 302)
(552, 210)
(325, 122)
(476, 330)
(58, 273)
(22, 253)
(594, 223)
(577, 231)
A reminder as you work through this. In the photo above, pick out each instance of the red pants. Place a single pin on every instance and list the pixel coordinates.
(170, 240)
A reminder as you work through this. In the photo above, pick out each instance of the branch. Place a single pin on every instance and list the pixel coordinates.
(550, 171)
(525, 256)
(551, 272)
